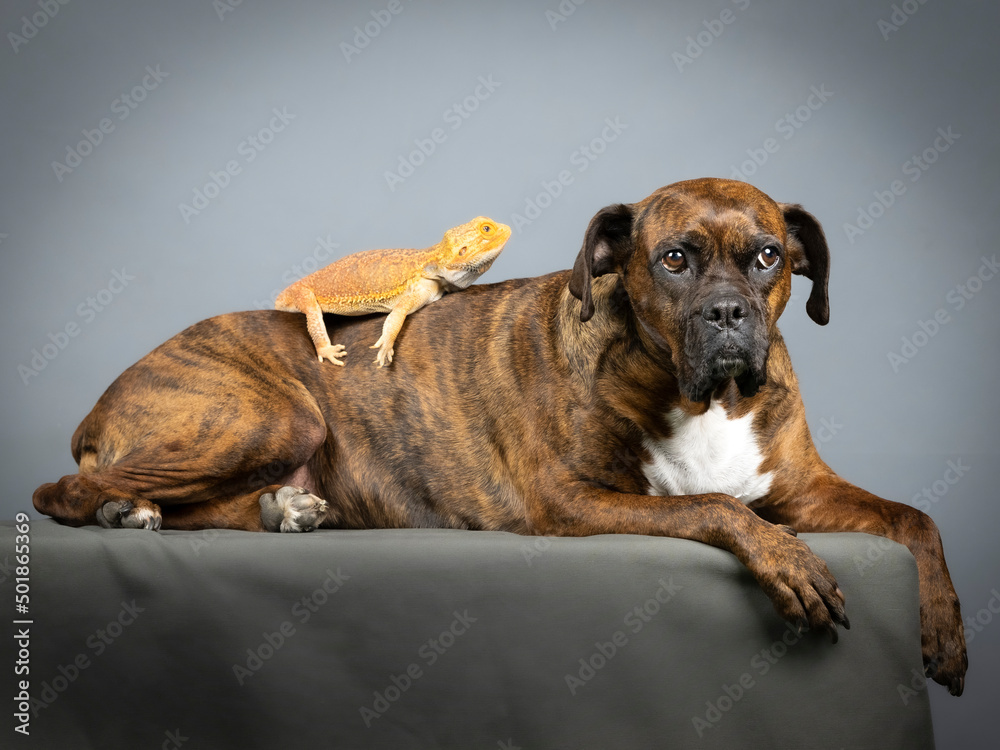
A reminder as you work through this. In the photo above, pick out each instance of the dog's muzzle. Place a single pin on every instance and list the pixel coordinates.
(725, 340)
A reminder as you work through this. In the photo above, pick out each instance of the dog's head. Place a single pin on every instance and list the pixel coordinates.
(707, 266)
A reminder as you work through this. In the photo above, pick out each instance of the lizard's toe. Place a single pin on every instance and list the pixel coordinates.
(333, 352)
(385, 352)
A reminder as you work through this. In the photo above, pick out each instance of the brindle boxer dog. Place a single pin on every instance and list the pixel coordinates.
(648, 391)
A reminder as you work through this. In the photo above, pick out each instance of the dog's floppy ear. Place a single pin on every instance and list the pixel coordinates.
(810, 258)
(605, 244)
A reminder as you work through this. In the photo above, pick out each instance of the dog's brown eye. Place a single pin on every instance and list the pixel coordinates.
(767, 258)
(674, 261)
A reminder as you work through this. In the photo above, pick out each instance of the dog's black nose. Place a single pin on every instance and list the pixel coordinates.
(726, 311)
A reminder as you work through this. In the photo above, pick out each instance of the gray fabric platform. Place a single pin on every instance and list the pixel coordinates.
(451, 639)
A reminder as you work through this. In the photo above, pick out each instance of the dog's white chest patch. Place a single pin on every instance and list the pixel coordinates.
(707, 453)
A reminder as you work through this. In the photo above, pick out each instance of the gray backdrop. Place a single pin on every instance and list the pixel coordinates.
(164, 162)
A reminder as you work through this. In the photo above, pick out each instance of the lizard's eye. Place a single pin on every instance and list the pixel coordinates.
(486, 228)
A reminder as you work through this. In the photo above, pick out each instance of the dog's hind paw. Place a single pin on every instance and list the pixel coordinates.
(125, 514)
(291, 509)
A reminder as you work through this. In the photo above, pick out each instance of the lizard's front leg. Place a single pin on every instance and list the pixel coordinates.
(307, 303)
(422, 293)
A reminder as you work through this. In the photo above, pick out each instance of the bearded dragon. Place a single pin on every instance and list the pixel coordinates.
(394, 281)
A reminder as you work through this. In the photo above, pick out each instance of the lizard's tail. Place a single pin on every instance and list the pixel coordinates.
(284, 302)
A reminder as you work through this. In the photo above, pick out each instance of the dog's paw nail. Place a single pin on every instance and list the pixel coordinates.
(832, 630)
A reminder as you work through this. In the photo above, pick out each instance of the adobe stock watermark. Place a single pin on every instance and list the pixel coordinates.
(958, 297)
(635, 620)
(323, 253)
(122, 106)
(363, 35)
(974, 624)
(97, 643)
(562, 12)
(924, 500)
(702, 40)
(899, 15)
(202, 538)
(429, 652)
(538, 546)
(914, 168)
(939, 488)
(86, 313)
(222, 7)
(874, 552)
(174, 740)
(455, 116)
(249, 148)
(581, 158)
(302, 611)
(828, 429)
(32, 24)
(786, 126)
(731, 694)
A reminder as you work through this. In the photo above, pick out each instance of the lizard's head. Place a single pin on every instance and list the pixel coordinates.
(473, 248)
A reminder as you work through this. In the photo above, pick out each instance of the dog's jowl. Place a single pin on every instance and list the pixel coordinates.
(647, 391)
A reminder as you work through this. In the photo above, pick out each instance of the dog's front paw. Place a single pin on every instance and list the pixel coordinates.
(128, 514)
(291, 509)
(800, 586)
(943, 642)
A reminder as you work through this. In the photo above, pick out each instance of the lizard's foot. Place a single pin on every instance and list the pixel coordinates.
(332, 352)
(384, 353)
